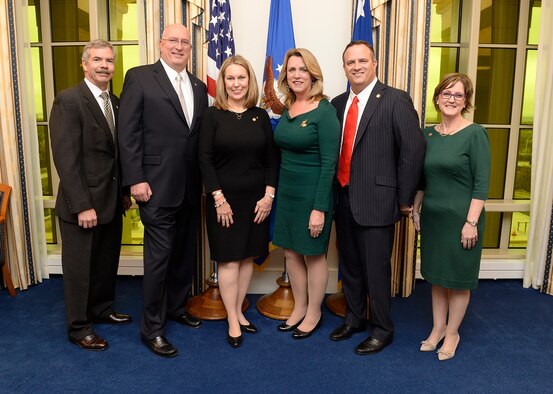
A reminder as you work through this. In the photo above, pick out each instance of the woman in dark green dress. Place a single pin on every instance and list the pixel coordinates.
(451, 221)
(308, 135)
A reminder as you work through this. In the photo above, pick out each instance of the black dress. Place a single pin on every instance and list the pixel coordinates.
(237, 155)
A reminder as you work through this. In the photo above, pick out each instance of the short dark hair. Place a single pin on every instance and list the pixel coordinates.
(359, 42)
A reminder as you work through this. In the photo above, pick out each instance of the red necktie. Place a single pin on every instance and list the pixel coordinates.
(347, 143)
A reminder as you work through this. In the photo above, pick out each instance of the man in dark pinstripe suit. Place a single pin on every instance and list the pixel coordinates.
(380, 164)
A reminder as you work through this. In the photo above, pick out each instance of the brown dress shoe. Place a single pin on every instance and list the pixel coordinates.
(91, 342)
(115, 318)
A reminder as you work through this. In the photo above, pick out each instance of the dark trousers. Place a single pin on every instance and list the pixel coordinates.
(90, 258)
(170, 241)
(365, 267)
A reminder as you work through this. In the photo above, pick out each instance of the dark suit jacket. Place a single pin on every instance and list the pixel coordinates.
(387, 158)
(85, 156)
(156, 144)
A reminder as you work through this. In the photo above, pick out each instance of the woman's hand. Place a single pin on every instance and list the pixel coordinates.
(416, 220)
(263, 209)
(469, 236)
(316, 223)
(224, 214)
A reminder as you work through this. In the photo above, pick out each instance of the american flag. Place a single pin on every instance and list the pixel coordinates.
(221, 41)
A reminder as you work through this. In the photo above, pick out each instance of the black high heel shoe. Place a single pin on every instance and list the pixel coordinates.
(283, 327)
(235, 342)
(248, 328)
(299, 334)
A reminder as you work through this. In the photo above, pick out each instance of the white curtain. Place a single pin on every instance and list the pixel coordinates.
(542, 160)
(19, 164)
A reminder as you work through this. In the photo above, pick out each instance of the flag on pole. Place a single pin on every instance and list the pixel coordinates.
(221, 41)
(363, 23)
(280, 38)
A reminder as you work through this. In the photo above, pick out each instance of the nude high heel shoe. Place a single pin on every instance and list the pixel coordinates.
(443, 355)
(427, 346)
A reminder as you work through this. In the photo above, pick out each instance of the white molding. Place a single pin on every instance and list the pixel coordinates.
(264, 281)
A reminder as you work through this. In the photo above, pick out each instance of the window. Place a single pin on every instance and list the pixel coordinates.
(495, 43)
(58, 32)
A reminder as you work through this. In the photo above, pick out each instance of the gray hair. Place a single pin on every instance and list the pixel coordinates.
(96, 44)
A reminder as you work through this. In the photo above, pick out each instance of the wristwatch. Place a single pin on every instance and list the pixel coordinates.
(472, 223)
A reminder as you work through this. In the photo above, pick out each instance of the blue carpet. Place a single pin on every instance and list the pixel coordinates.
(506, 346)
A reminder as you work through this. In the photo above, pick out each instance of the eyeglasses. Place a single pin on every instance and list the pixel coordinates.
(175, 41)
(456, 96)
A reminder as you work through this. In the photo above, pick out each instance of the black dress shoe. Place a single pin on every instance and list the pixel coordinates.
(299, 334)
(288, 327)
(235, 342)
(160, 346)
(115, 318)
(248, 328)
(91, 342)
(372, 345)
(187, 320)
(345, 331)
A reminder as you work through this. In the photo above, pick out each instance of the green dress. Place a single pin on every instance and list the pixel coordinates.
(309, 145)
(456, 170)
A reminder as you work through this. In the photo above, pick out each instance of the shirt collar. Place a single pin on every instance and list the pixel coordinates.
(363, 95)
(171, 73)
(96, 91)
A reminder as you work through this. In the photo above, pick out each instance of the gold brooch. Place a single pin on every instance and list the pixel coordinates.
(255, 119)
(304, 123)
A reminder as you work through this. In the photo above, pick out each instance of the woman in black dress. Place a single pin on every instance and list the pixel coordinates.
(239, 164)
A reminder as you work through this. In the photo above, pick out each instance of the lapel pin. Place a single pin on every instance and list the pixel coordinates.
(378, 95)
(430, 134)
(255, 119)
(304, 123)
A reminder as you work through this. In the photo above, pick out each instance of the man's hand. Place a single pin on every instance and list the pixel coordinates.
(141, 192)
(88, 218)
(127, 202)
(406, 209)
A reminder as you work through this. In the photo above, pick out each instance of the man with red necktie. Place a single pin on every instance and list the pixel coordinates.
(380, 163)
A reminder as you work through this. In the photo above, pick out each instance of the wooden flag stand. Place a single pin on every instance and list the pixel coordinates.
(279, 304)
(209, 305)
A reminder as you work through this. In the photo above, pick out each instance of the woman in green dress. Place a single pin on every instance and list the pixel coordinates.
(308, 135)
(451, 217)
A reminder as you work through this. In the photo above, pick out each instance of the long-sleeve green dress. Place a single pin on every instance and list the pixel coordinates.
(456, 170)
(309, 146)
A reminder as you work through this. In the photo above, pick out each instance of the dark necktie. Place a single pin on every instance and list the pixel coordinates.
(347, 143)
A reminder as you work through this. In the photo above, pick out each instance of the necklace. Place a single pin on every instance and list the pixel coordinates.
(454, 129)
(238, 114)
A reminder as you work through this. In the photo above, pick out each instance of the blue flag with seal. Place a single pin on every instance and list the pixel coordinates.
(280, 38)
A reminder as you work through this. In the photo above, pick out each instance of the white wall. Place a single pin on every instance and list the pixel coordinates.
(322, 26)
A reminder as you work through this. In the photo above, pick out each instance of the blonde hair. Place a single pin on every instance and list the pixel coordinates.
(316, 91)
(221, 95)
(448, 81)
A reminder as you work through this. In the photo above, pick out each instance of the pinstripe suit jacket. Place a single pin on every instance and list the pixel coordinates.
(387, 158)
